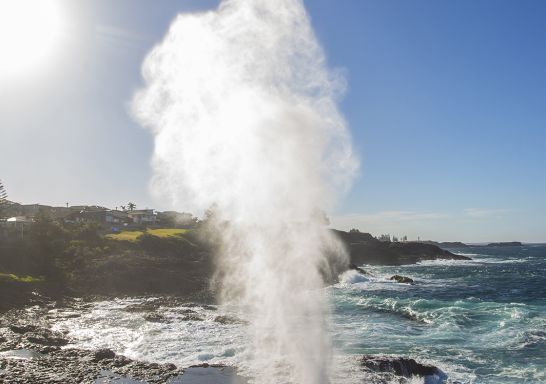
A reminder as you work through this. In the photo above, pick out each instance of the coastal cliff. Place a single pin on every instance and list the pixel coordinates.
(365, 249)
(183, 265)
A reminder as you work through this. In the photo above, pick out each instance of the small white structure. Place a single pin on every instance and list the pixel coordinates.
(19, 223)
(19, 220)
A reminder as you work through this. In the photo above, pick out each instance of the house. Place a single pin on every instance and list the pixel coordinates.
(117, 217)
(32, 210)
(175, 219)
(87, 215)
(143, 216)
(108, 219)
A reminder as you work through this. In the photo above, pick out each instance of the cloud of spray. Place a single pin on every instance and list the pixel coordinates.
(243, 110)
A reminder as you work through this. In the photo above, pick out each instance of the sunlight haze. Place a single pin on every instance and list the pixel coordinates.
(444, 104)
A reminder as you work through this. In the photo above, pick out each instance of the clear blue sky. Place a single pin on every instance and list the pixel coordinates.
(446, 102)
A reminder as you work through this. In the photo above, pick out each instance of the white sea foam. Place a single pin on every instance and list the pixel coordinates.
(183, 342)
(352, 277)
(466, 254)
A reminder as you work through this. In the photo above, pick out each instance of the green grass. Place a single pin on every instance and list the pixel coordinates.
(20, 279)
(160, 232)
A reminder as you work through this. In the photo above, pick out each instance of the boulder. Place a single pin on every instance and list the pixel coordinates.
(399, 366)
(156, 318)
(41, 335)
(103, 354)
(142, 307)
(192, 317)
(23, 328)
(225, 319)
(402, 279)
(358, 269)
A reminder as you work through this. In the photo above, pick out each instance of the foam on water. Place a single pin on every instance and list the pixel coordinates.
(464, 319)
(176, 339)
(481, 320)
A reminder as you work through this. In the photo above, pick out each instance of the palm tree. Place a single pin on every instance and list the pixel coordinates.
(3, 193)
(131, 206)
(3, 197)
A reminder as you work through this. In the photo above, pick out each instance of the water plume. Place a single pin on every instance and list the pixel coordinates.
(244, 116)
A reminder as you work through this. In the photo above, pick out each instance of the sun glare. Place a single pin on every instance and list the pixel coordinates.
(29, 31)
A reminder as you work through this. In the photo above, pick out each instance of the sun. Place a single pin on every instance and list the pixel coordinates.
(29, 32)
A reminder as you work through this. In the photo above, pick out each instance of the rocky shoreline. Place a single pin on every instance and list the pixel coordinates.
(32, 351)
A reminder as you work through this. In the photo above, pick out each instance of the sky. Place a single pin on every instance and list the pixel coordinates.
(446, 103)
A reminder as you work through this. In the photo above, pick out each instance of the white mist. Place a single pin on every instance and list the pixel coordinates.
(244, 115)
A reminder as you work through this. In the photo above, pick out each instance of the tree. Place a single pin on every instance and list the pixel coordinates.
(46, 239)
(3, 197)
(131, 206)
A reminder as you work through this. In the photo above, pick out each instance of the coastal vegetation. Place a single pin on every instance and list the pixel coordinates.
(158, 232)
(57, 257)
(20, 279)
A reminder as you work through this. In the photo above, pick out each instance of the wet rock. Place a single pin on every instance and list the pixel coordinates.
(168, 302)
(207, 365)
(213, 373)
(399, 366)
(23, 328)
(32, 353)
(44, 336)
(21, 354)
(225, 319)
(102, 354)
(402, 279)
(81, 366)
(70, 315)
(156, 318)
(121, 361)
(197, 305)
(142, 307)
(192, 317)
(186, 311)
(358, 269)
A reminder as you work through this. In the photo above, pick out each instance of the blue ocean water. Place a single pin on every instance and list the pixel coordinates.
(480, 321)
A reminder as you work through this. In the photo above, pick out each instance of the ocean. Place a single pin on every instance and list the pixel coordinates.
(479, 321)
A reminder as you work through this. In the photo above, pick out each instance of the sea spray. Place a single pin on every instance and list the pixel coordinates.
(244, 116)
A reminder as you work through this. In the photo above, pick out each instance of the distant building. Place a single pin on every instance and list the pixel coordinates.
(17, 225)
(175, 219)
(86, 216)
(18, 220)
(112, 219)
(143, 216)
(31, 210)
(118, 217)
